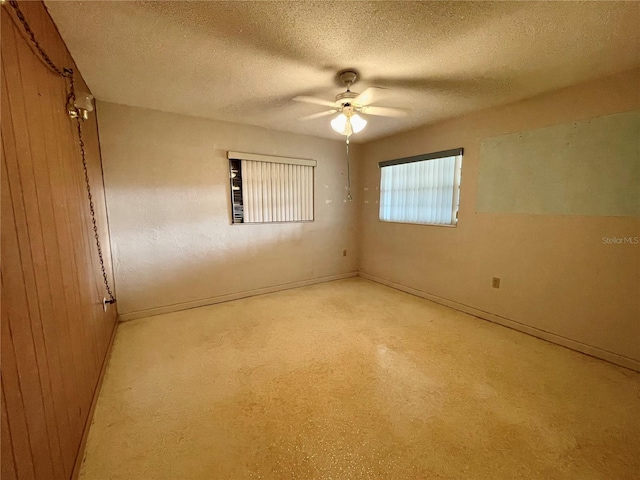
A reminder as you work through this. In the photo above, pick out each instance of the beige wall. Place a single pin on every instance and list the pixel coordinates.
(557, 275)
(167, 186)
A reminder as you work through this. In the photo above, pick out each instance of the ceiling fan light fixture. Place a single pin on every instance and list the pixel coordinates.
(348, 104)
(348, 124)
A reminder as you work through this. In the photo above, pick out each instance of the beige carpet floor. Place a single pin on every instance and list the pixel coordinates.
(354, 380)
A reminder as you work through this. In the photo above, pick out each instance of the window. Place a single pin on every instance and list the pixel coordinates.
(268, 189)
(423, 189)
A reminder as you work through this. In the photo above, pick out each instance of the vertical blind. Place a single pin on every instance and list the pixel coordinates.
(421, 191)
(266, 188)
(276, 192)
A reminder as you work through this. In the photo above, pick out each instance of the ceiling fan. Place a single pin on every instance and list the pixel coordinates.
(349, 104)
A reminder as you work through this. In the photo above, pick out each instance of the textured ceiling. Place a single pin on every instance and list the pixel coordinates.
(244, 61)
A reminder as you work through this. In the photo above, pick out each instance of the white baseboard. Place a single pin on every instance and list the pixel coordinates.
(521, 327)
(227, 298)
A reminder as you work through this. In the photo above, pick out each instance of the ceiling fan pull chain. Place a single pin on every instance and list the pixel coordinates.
(349, 197)
(75, 113)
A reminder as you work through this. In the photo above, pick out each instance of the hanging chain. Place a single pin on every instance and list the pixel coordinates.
(68, 73)
(96, 235)
(349, 197)
(43, 55)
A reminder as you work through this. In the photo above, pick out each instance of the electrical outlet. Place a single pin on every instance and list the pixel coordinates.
(495, 282)
(344, 253)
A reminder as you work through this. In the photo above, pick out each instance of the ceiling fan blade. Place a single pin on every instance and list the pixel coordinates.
(447, 85)
(318, 115)
(371, 95)
(314, 100)
(386, 111)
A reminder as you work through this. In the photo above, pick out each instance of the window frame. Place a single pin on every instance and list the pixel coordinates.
(455, 152)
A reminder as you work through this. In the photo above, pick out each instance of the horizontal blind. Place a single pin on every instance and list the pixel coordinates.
(276, 192)
(421, 191)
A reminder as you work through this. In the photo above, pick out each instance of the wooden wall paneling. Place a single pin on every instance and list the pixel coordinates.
(67, 309)
(19, 320)
(98, 331)
(92, 147)
(95, 172)
(19, 362)
(82, 241)
(69, 242)
(15, 430)
(72, 167)
(86, 331)
(8, 464)
(50, 115)
(64, 310)
(18, 430)
(103, 328)
(55, 335)
(51, 336)
(67, 173)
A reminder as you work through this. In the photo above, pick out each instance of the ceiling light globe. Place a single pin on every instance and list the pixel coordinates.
(357, 123)
(339, 123)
